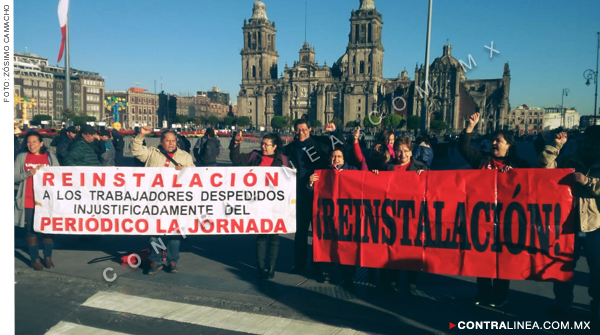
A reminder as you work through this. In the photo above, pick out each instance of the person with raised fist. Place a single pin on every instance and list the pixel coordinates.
(585, 161)
(166, 155)
(307, 153)
(270, 154)
(503, 157)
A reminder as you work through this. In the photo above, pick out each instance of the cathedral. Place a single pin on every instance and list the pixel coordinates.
(353, 86)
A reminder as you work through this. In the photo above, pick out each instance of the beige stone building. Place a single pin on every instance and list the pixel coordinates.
(35, 79)
(200, 105)
(141, 108)
(526, 120)
(353, 86)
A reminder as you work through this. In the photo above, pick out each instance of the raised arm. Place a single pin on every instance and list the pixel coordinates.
(547, 158)
(357, 151)
(235, 155)
(138, 150)
(467, 151)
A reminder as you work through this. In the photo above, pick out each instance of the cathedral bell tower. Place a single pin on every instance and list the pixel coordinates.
(259, 67)
(259, 56)
(365, 51)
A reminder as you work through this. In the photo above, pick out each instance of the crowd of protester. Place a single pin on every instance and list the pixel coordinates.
(333, 151)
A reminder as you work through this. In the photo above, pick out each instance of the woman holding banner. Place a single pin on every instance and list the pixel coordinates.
(269, 155)
(503, 157)
(338, 164)
(404, 161)
(26, 165)
(166, 155)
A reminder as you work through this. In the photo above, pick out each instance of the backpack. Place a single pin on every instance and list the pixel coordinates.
(209, 150)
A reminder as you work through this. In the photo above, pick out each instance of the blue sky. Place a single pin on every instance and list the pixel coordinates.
(194, 45)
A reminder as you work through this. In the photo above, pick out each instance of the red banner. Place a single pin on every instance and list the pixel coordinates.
(480, 223)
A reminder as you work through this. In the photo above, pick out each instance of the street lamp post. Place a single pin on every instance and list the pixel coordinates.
(565, 92)
(590, 74)
(424, 125)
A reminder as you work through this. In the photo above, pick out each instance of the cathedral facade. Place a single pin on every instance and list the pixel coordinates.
(353, 86)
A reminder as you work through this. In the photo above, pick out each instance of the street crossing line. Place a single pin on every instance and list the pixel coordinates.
(210, 317)
(68, 328)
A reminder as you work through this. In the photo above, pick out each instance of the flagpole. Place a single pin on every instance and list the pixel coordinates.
(67, 68)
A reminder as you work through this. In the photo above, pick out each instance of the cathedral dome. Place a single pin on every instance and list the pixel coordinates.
(447, 59)
(259, 10)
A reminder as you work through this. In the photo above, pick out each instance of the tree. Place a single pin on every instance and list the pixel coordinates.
(351, 124)
(279, 122)
(392, 121)
(228, 121)
(371, 121)
(437, 126)
(197, 121)
(242, 121)
(289, 121)
(181, 118)
(81, 120)
(37, 119)
(67, 114)
(315, 123)
(212, 120)
(413, 122)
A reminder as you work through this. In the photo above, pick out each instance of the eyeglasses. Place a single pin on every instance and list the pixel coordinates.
(263, 144)
(306, 130)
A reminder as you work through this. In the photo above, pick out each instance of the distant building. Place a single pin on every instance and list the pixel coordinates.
(193, 106)
(142, 108)
(216, 96)
(45, 84)
(167, 109)
(526, 120)
(555, 117)
(201, 105)
(354, 85)
(587, 120)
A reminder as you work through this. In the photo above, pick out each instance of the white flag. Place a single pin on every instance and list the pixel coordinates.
(63, 14)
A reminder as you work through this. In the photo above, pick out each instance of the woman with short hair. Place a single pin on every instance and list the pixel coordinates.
(167, 154)
(404, 161)
(503, 157)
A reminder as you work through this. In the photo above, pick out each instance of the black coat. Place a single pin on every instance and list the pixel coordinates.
(319, 149)
(62, 147)
(117, 141)
(414, 166)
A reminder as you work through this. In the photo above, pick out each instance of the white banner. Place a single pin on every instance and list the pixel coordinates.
(157, 201)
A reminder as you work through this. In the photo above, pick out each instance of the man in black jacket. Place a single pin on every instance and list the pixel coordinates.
(119, 145)
(208, 150)
(63, 143)
(307, 154)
